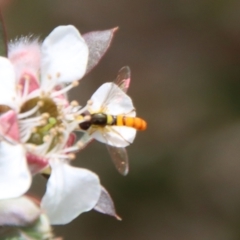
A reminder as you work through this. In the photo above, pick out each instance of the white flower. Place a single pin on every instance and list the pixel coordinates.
(37, 121)
(38, 77)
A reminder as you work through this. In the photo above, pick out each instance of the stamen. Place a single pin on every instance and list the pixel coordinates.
(65, 89)
(78, 146)
(65, 156)
(31, 111)
(41, 149)
(82, 110)
(33, 119)
(25, 134)
(26, 86)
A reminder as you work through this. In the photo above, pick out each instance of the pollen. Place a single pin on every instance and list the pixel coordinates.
(80, 145)
(43, 122)
(34, 130)
(53, 131)
(46, 138)
(60, 129)
(40, 103)
(71, 156)
(26, 77)
(74, 103)
(75, 83)
(90, 102)
(19, 87)
(49, 77)
(58, 74)
(45, 115)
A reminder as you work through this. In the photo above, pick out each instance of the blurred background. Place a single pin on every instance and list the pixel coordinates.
(184, 180)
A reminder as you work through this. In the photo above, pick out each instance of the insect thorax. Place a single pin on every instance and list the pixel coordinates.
(99, 119)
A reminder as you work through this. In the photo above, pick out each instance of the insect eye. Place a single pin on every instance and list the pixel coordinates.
(85, 125)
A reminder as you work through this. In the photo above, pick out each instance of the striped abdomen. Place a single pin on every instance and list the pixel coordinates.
(102, 120)
(133, 122)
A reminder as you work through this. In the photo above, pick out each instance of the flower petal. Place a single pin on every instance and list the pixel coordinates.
(9, 126)
(18, 211)
(117, 136)
(15, 178)
(98, 43)
(8, 84)
(70, 192)
(117, 102)
(105, 204)
(25, 55)
(64, 56)
(36, 163)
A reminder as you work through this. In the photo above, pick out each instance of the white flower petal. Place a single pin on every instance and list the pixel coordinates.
(116, 101)
(20, 211)
(15, 178)
(117, 136)
(64, 56)
(8, 83)
(70, 192)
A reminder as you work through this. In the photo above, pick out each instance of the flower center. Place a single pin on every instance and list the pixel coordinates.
(44, 122)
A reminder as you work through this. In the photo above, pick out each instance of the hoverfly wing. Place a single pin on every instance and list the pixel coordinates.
(115, 94)
(123, 78)
(120, 159)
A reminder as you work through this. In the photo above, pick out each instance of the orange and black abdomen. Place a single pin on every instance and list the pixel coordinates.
(133, 122)
(102, 120)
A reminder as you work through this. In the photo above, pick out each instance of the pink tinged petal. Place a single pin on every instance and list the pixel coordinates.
(117, 136)
(9, 126)
(15, 178)
(28, 81)
(98, 43)
(36, 163)
(25, 56)
(64, 56)
(18, 211)
(70, 192)
(116, 102)
(8, 84)
(105, 204)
